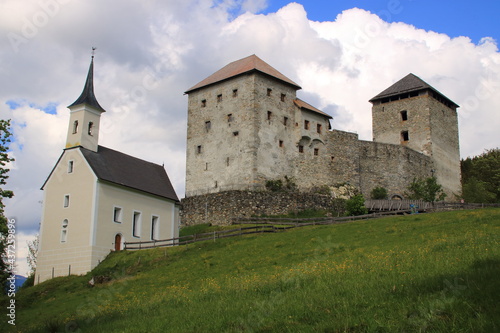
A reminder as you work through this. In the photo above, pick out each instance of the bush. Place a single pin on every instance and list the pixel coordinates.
(274, 185)
(356, 205)
(426, 189)
(378, 193)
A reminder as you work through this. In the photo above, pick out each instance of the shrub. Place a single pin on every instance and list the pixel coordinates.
(356, 205)
(426, 189)
(378, 193)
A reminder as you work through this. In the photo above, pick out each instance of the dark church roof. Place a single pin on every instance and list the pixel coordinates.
(122, 169)
(88, 96)
(118, 168)
(409, 84)
(249, 64)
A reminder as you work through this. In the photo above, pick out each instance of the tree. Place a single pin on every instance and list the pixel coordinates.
(426, 189)
(356, 205)
(481, 177)
(378, 193)
(32, 254)
(4, 232)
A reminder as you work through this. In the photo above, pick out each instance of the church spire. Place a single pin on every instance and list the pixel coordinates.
(87, 96)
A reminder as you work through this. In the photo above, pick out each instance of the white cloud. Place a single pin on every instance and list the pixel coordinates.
(150, 52)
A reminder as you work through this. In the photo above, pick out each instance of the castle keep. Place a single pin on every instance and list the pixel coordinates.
(246, 126)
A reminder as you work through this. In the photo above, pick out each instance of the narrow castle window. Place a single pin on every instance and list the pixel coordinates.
(269, 114)
(301, 149)
(227, 161)
(316, 151)
(206, 166)
(70, 166)
(219, 98)
(117, 214)
(91, 126)
(404, 115)
(66, 201)
(306, 124)
(318, 128)
(64, 231)
(230, 118)
(404, 136)
(208, 125)
(269, 91)
(75, 127)
(235, 92)
(203, 103)
(281, 143)
(236, 133)
(198, 149)
(283, 97)
(285, 121)
(136, 224)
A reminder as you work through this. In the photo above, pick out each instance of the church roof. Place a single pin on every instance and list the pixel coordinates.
(87, 96)
(410, 83)
(122, 169)
(303, 105)
(249, 64)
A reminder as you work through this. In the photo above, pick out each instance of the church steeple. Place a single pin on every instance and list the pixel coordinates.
(85, 116)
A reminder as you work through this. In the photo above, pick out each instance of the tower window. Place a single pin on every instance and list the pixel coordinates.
(219, 98)
(283, 97)
(235, 92)
(318, 128)
(285, 121)
(230, 118)
(301, 149)
(198, 149)
(269, 115)
(306, 124)
(227, 161)
(91, 126)
(269, 91)
(75, 127)
(404, 115)
(404, 136)
(136, 224)
(208, 125)
(66, 201)
(70, 166)
(117, 214)
(64, 231)
(203, 103)
(281, 143)
(316, 151)
(236, 133)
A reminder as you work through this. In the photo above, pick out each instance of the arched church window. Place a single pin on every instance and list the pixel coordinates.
(64, 231)
(75, 127)
(91, 127)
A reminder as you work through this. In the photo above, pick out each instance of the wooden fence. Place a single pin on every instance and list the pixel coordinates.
(275, 224)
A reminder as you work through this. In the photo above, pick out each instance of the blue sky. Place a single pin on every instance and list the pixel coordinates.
(474, 19)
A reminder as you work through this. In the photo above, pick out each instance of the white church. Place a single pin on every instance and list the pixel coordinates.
(97, 198)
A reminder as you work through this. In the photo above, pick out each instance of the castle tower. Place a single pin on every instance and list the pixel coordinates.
(85, 116)
(414, 114)
(241, 128)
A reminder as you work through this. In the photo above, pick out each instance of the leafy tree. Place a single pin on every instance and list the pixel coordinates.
(378, 193)
(356, 205)
(4, 159)
(32, 254)
(481, 177)
(426, 189)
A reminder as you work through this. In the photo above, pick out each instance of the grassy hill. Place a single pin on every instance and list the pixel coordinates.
(421, 273)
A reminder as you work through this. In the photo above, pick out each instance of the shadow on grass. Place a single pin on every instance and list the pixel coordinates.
(467, 301)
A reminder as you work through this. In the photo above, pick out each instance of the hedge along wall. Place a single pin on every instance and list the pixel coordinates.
(220, 208)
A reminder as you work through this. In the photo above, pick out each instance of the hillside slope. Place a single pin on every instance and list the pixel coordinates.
(420, 273)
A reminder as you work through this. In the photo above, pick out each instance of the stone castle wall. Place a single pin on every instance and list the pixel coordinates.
(220, 208)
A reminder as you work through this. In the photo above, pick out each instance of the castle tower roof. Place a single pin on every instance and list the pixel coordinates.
(87, 96)
(249, 64)
(410, 84)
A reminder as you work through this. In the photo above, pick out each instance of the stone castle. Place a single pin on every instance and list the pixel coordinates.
(246, 126)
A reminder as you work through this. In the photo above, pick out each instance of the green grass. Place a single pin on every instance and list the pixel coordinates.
(420, 273)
